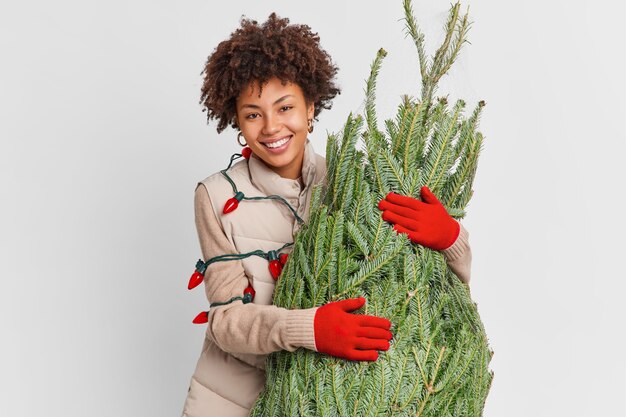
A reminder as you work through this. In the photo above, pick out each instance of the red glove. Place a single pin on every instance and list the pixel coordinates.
(350, 336)
(425, 222)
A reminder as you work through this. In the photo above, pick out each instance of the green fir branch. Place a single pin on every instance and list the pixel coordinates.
(376, 139)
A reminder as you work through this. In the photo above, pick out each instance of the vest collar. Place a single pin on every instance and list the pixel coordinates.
(270, 183)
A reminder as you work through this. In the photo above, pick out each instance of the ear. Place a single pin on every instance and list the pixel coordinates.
(310, 112)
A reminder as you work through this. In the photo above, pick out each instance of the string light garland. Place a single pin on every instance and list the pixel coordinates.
(276, 260)
(233, 202)
(248, 297)
(275, 265)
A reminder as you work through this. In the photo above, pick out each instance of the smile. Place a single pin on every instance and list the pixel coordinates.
(278, 143)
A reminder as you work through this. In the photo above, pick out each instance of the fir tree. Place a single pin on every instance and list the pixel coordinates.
(437, 364)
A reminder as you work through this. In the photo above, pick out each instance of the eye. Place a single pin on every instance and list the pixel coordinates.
(252, 114)
(286, 107)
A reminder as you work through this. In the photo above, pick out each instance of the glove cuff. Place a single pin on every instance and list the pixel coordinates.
(460, 245)
(300, 331)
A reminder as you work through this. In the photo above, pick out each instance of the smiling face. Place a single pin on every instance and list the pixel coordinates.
(275, 124)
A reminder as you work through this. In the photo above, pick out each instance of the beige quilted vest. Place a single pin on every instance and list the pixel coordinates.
(230, 383)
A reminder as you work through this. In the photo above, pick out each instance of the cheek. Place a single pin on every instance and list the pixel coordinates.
(250, 130)
(298, 122)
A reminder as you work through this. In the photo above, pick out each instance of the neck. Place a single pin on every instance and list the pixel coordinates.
(292, 173)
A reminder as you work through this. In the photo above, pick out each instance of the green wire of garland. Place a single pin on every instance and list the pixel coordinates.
(229, 301)
(234, 256)
(269, 197)
(258, 252)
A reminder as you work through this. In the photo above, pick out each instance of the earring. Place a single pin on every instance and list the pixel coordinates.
(239, 136)
(310, 124)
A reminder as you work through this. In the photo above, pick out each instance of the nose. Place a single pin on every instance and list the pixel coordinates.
(271, 126)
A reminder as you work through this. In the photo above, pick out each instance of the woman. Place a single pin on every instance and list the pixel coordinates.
(270, 82)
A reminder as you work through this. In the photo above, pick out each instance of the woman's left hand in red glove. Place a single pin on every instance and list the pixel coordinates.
(425, 222)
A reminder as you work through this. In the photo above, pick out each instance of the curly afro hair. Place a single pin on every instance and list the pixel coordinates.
(257, 53)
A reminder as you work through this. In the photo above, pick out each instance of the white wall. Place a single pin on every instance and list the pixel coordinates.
(103, 140)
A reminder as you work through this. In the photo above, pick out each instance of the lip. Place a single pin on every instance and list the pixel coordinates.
(280, 149)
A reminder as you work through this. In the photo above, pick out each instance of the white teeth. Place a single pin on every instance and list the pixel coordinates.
(278, 143)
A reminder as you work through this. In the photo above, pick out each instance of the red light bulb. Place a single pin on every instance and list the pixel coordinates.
(248, 294)
(246, 152)
(202, 318)
(198, 275)
(195, 280)
(283, 258)
(275, 268)
(233, 203)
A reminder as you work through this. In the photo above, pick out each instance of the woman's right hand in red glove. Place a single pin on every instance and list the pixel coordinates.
(350, 336)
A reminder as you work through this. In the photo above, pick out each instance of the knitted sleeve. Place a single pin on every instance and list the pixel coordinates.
(459, 256)
(237, 327)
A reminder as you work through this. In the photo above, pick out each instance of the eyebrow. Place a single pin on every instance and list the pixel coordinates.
(254, 106)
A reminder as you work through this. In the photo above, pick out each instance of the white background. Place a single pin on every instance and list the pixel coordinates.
(103, 141)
